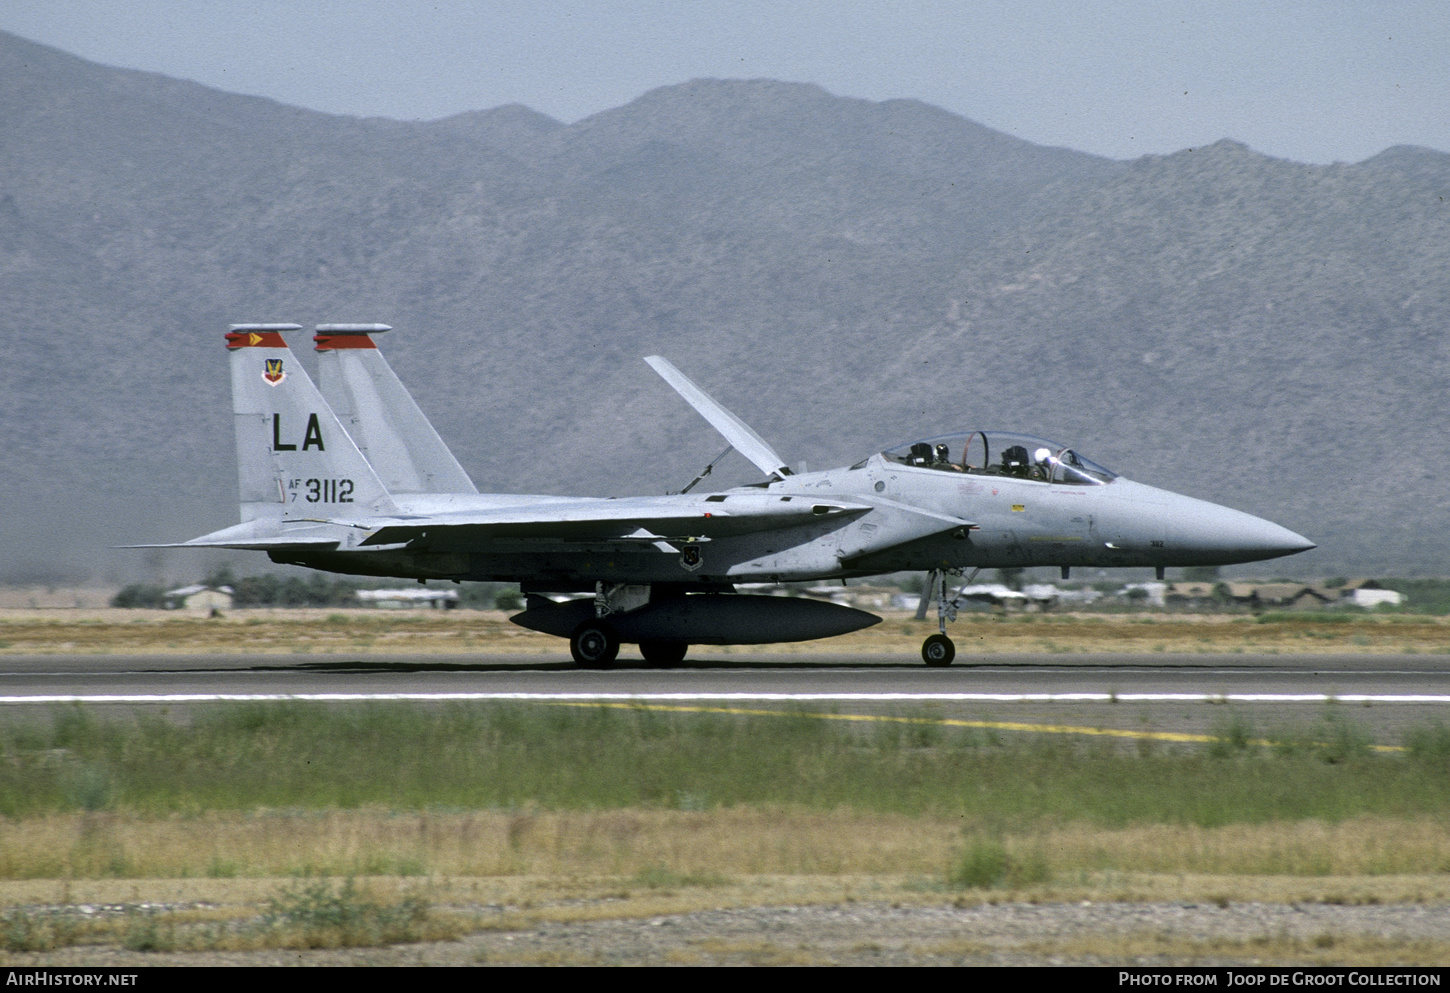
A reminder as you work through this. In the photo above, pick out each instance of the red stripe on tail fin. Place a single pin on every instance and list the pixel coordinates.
(259, 335)
(331, 337)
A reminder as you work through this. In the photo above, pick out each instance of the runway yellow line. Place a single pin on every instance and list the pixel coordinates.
(1173, 736)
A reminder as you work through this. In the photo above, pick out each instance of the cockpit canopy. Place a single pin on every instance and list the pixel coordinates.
(998, 453)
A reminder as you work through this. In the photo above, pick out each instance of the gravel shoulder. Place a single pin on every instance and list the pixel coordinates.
(866, 934)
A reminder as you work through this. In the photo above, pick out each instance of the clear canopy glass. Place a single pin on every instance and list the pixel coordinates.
(999, 453)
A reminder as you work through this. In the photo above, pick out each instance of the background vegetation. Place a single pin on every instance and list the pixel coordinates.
(304, 588)
(315, 589)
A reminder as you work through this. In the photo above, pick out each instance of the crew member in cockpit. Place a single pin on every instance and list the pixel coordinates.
(1042, 464)
(1014, 462)
(944, 460)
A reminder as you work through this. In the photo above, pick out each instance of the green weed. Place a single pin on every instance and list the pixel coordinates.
(26, 931)
(148, 931)
(1304, 617)
(983, 864)
(986, 863)
(1231, 735)
(657, 877)
(1429, 744)
(323, 915)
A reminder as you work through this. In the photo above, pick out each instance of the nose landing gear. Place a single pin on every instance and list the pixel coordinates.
(938, 650)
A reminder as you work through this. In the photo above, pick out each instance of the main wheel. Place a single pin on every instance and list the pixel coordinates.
(594, 645)
(938, 650)
(663, 654)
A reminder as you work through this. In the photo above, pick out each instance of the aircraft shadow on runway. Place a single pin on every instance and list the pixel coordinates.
(1016, 662)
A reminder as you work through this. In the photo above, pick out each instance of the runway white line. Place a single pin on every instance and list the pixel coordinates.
(174, 698)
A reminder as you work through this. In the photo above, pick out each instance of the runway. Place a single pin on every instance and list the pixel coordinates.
(1161, 696)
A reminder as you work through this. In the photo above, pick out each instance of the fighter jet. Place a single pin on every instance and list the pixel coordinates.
(353, 479)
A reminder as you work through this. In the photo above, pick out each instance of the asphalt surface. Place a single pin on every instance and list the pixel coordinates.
(1163, 695)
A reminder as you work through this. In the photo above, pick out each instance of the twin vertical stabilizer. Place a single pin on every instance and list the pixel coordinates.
(294, 459)
(380, 415)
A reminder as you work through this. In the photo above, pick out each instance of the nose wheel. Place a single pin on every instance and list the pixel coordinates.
(938, 650)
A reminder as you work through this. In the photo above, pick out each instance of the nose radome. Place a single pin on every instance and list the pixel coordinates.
(1290, 542)
(1211, 532)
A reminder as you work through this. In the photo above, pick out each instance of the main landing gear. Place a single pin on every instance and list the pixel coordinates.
(595, 645)
(663, 654)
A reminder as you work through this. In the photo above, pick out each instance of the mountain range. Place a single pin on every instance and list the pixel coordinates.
(843, 274)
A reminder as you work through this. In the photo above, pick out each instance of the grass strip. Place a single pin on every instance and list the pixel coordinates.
(1176, 737)
(247, 757)
(661, 849)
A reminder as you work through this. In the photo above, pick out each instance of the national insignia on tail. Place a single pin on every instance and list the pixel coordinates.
(274, 373)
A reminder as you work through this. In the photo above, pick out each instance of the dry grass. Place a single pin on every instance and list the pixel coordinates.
(1364, 846)
(251, 632)
(624, 843)
(354, 631)
(671, 849)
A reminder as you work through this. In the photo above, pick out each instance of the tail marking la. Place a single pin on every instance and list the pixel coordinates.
(311, 439)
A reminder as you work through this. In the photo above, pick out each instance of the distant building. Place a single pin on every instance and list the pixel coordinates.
(1154, 594)
(1191, 596)
(1373, 598)
(1044, 596)
(1282, 596)
(1079, 597)
(1244, 594)
(1368, 593)
(1292, 596)
(862, 597)
(199, 597)
(1038, 596)
(408, 598)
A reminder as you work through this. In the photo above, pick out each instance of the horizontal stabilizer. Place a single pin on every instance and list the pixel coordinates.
(259, 535)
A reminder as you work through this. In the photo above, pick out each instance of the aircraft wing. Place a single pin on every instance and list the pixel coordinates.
(635, 518)
(740, 435)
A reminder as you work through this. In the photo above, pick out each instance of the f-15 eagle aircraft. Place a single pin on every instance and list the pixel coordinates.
(352, 478)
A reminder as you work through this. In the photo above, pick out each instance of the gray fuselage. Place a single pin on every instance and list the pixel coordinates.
(1006, 522)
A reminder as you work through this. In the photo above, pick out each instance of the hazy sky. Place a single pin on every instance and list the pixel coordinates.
(1315, 81)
